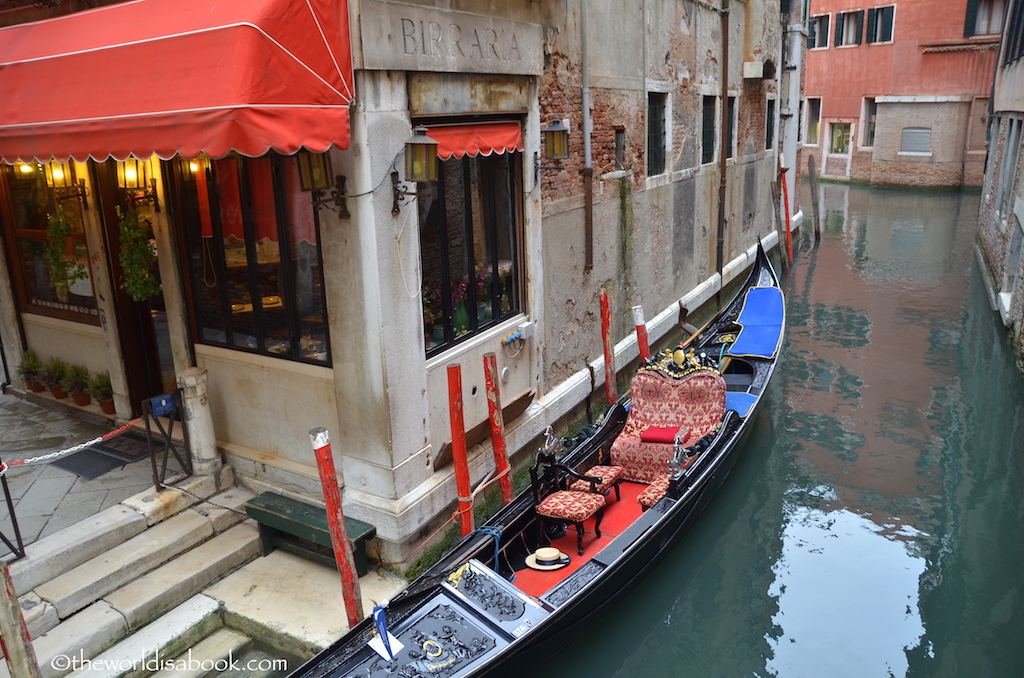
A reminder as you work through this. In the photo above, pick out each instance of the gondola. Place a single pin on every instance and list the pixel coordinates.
(593, 522)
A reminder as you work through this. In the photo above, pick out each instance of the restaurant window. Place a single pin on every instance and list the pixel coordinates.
(880, 24)
(39, 192)
(469, 247)
(253, 251)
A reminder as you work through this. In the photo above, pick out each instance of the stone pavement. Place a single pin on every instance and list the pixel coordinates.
(117, 573)
(46, 498)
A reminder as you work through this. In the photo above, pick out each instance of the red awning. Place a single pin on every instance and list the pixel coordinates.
(177, 76)
(471, 140)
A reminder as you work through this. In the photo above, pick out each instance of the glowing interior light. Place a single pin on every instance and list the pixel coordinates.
(58, 173)
(193, 166)
(27, 169)
(130, 174)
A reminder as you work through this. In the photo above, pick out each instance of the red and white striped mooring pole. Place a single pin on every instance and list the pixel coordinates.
(641, 333)
(336, 524)
(497, 427)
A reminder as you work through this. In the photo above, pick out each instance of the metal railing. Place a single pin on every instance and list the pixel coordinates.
(161, 441)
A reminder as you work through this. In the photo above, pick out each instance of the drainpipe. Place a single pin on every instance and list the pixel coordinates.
(720, 249)
(588, 164)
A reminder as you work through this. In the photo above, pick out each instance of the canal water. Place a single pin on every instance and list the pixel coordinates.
(873, 525)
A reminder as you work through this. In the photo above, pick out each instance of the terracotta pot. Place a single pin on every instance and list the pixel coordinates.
(36, 386)
(107, 406)
(81, 398)
(58, 392)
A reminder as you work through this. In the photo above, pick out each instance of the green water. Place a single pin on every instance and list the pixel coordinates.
(872, 526)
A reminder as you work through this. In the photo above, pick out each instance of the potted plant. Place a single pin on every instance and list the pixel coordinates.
(30, 368)
(138, 257)
(102, 391)
(64, 271)
(52, 375)
(76, 382)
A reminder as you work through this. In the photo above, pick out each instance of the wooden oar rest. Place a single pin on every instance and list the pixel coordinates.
(554, 502)
(302, 528)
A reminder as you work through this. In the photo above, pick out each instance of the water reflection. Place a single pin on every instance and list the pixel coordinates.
(847, 591)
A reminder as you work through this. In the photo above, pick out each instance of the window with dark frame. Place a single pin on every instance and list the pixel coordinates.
(730, 131)
(252, 243)
(870, 113)
(708, 127)
(1014, 49)
(34, 193)
(841, 138)
(469, 248)
(849, 28)
(656, 132)
(769, 124)
(620, 148)
(817, 32)
(984, 17)
(813, 120)
(879, 28)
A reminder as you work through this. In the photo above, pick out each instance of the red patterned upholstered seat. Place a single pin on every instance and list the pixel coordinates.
(574, 507)
(609, 475)
(655, 491)
(695, 402)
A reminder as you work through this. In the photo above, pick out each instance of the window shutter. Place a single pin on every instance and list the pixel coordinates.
(824, 31)
(887, 13)
(972, 17)
(872, 20)
(840, 18)
(811, 25)
(916, 140)
(860, 27)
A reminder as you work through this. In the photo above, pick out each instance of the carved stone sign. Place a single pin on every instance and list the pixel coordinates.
(401, 37)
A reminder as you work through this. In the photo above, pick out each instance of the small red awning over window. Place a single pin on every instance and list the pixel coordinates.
(471, 140)
(168, 77)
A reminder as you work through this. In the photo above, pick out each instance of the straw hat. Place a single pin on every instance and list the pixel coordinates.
(547, 559)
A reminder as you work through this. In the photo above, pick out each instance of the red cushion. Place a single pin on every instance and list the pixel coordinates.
(609, 475)
(662, 434)
(573, 506)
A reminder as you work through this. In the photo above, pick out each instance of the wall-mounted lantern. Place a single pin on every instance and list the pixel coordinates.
(134, 180)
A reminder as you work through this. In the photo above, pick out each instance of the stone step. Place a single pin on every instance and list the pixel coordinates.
(210, 656)
(146, 650)
(257, 664)
(153, 594)
(78, 638)
(38, 614)
(95, 578)
(61, 551)
(225, 509)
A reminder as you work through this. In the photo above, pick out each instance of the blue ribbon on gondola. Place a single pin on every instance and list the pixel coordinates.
(382, 629)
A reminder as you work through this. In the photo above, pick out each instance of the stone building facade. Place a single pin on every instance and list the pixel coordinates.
(1001, 219)
(342, 305)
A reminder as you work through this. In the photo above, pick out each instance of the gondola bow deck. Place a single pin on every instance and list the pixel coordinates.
(657, 459)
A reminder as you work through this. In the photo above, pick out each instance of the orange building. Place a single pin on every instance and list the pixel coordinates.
(898, 94)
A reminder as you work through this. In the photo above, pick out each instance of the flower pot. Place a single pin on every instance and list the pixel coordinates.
(36, 386)
(58, 392)
(81, 398)
(107, 406)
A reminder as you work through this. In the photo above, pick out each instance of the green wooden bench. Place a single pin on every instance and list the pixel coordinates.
(302, 528)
